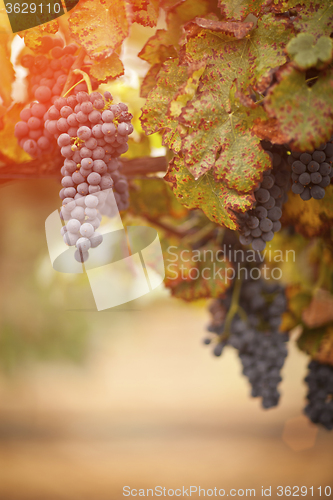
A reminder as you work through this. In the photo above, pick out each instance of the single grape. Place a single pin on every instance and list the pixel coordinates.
(63, 140)
(73, 226)
(266, 225)
(305, 179)
(91, 201)
(316, 178)
(317, 192)
(258, 245)
(305, 158)
(83, 244)
(84, 133)
(262, 195)
(86, 230)
(94, 178)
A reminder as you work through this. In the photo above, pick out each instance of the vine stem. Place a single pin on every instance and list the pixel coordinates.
(76, 65)
(85, 77)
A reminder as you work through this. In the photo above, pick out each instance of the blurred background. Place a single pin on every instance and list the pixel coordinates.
(91, 402)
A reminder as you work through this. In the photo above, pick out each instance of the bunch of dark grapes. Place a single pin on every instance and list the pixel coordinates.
(92, 133)
(260, 345)
(320, 394)
(48, 72)
(258, 225)
(312, 172)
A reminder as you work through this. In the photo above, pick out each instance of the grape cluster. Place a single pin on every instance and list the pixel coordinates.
(320, 394)
(260, 345)
(312, 172)
(258, 225)
(48, 73)
(92, 133)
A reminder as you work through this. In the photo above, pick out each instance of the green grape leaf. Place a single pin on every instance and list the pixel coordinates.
(249, 60)
(100, 26)
(145, 12)
(158, 48)
(222, 140)
(304, 113)
(318, 343)
(238, 9)
(196, 274)
(33, 36)
(306, 52)
(153, 198)
(315, 18)
(107, 69)
(154, 112)
(218, 202)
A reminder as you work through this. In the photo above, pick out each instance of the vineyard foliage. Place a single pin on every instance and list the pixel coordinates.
(222, 77)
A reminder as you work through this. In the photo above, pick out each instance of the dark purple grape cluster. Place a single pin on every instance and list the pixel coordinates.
(320, 394)
(312, 172)
(48, 72)
(260, 345)
(92, 133)
(258, 225)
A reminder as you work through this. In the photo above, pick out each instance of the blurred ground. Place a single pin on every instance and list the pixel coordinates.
(151, 407)
(148, 406)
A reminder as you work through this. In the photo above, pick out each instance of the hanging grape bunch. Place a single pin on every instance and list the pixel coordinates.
(248, 319)
(320, 394)
(312, 172)
(94, 133)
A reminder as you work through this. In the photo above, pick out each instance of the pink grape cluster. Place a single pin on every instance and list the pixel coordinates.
(48, 74)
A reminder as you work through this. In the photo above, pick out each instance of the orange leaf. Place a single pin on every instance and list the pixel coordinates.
(99, 26)
(145, 12)
(33, 36)
(107, 69)
(7, 70)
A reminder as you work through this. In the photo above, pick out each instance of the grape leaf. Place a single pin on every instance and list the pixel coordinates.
(312, 218)
(154, 112)
(100, 26)
(236, 29)
(32, 37)
(183, 12)
(197, 274)
(238, 9)
(216, 200)
(320, 311)
(145, 12)
(306, 52)
(153, 198)
(107, 69)
(318, 342)
(149, 81)
(222, 140)
(158, 48)
(304, 113)
(249, 60)
(315, 18)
